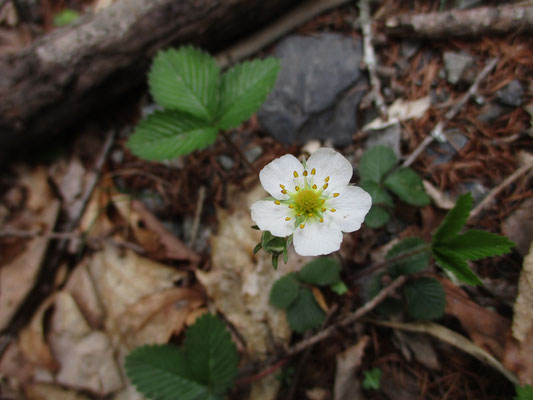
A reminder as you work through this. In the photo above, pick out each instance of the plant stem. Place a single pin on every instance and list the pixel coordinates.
(241, 154)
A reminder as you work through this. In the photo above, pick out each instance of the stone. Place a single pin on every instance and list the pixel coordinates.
(253, 153)
(409, 47)
(444, 152)
(512, 94)
(225, 161)
(491, 112)
(456, 64)
(317, 92)
(389, 137)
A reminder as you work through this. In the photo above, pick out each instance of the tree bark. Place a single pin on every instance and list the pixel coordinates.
(473, 22)
(60, 77)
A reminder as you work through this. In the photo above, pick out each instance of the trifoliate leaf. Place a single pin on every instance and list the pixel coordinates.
(377, 217)
(376, 162)
(321, 271)
(476, 244)
(372, 379)
(456, 265)
(425, 298)
(168, 134)
(211, 354)
(304, 313)
(284, 291)
(186, 80)
(339, 287)
(455, 219)
(160, 373)
(524, 392)
(407, 185)
(388, 306)
(413, 263)
(244, 88)
(65, 17)
(379, 195)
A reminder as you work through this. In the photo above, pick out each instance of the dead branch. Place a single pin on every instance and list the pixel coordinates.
(473, 22)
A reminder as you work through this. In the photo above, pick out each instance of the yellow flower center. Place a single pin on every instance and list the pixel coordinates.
(306, 202)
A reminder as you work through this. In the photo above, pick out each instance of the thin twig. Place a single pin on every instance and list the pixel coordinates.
(494, 192)
(437, 132)
(197, 216)
(238, 151)
(365, 19)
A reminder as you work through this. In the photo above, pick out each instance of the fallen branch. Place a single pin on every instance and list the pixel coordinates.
(474, 22)
(437, 132)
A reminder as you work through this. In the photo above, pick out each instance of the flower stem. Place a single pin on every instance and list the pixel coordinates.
(241, 154)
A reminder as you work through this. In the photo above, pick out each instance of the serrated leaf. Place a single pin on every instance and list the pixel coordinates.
(165, 135)
(376, 162)
(211, 354)
(411, 264)
(186, 80)
(244, 88)
(377, 217)
(284, 291)
(321, 271)
(160, 373)
(407, 185)
(379, 195)
(456, 265)
(304, 313)
(425, 298)
(455, 219)
(476, 244)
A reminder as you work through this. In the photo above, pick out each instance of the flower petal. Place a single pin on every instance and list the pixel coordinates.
(271, 217)
(351, 206)
(317, 238)
(328, 162)
(281, 172)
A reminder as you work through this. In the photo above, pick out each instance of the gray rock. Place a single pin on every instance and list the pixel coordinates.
(444, 152)
(491, 112)
(456, 64)
(409, 47)
(388, 137)
(225, 161)
(512, 94)
(253, 153)
(317, 92)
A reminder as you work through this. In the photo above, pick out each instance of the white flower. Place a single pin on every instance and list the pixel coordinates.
(312, 202)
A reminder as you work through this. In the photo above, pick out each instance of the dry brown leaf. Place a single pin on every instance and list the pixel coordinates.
(347, 385)
(518, 226)
(421, 347)
(71, 180)
(19, 273)
(15, 367)
(239, 284)
(46, 391)
(86, 357)
(441, 199)
(486, 328)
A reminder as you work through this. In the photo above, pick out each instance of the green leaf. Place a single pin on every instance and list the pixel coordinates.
(377, 217)
(372, 378)
(160, 373)
(185, 80)
(284, 291)
(378, 194)
(304, 313)
(425, 298)
(376, 162)
(321, 271)
(339, 287)
(211, 354)
(65, 17)
(413, 263)
(476, 244)
(244, 88)
(455, 219)
(456, 265)
(169, 134)
(407, 185)
(524, 392)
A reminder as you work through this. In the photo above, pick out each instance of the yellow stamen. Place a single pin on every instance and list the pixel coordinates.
(332, 210)
(314, 186)
(305, 173)
(321, 219)
(313, 171)
(335, 194)
(291, 206)
(297, 188)
(302, 226)
(324, 210)
(284, 191)
(325, 186)
(311, 214)
(282, 186)
(298, 215)
(277, 202)
(287, 218)
(327, 179)
(323, 201)
(295, 174)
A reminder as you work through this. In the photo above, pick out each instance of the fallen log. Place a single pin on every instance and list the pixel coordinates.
(60, 77)
(455, 23)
